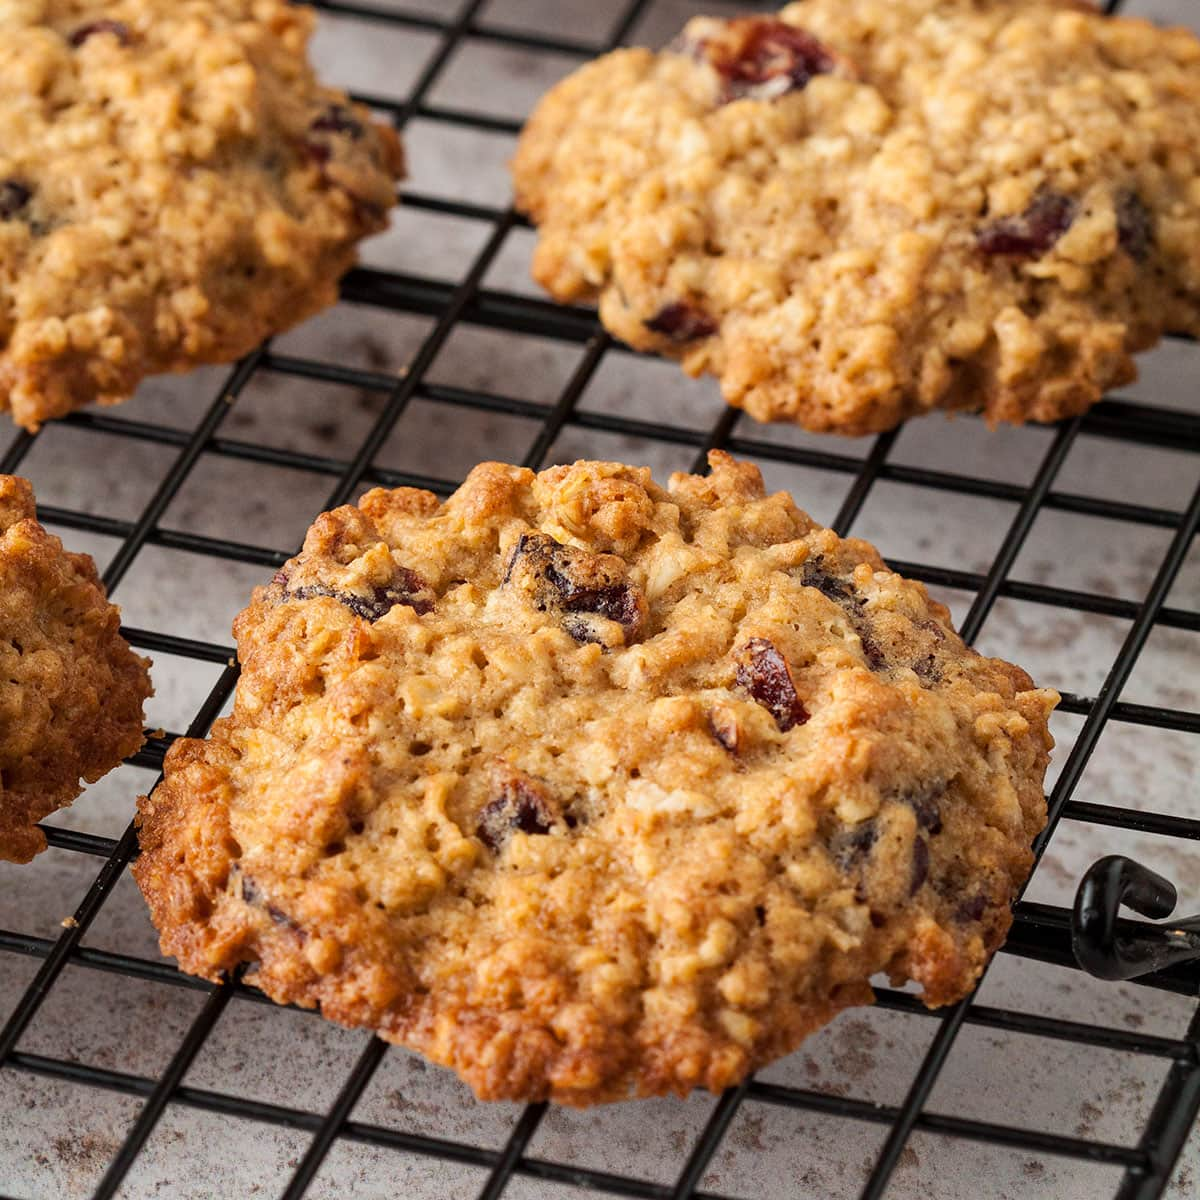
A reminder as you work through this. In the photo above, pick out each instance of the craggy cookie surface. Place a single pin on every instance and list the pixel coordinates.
(71, 690)
(174, 186)
(589, 789)
(866, 209)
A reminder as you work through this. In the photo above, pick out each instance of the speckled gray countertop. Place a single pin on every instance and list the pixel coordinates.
(57, 1137)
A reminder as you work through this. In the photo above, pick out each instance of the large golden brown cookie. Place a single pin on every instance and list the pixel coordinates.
(862, 210)
(591, 789)
(71, 690)
(174, 185)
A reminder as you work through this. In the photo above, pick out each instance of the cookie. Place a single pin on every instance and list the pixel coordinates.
(175, 185)
(590, 789)
(861, 210)
(71, 690)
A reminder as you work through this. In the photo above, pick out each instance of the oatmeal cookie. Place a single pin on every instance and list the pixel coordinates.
(862, 210)
(591, 789)
(71, 690)
(175, 185)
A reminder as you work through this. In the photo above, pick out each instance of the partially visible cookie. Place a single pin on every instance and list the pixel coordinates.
(175, 185)
(862, 210)
(71, 690)
(590, 789)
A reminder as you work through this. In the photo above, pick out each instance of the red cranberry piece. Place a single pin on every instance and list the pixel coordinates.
(408, 588)
(337, 118)
(1031, 233)
(14, 196)
(336, 121)
(872, 651)
(1135, 226)
(763, 58)
(118, 29)
(763, 672)
(253, 894)
(575, 584)
(616, 603)
(575, 621)
(832, 588)
(842, 593)
(682, 322)
(522, 804)
(927, 669)
(724, 728)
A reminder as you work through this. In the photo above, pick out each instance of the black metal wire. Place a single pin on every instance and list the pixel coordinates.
(1040, 932)
(168, 1083)
(514, 1151)
(335, 1119)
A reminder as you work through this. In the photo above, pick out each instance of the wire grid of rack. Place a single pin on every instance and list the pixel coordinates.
(1040, 931)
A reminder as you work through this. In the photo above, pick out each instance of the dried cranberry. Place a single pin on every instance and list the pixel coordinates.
(319, 152)
(920, 865)
(837, 590)
(724, 728)
(1135, 226)
(580, 629)
(14, 196)
(253, 894)
(928, 670)
(762, 58)
(617, 602)
(872, 651)
(852, 604)
(575, 620)
(682, 322)
(763, 672)
(1031, 233)
(118, 29)
(575, 584)
(522, 804)
(338, 119)
(408, 588)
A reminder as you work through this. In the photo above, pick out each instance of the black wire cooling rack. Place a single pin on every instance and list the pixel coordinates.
(1040, 931)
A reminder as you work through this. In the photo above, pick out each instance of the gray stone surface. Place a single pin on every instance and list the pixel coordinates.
(56, 1138)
